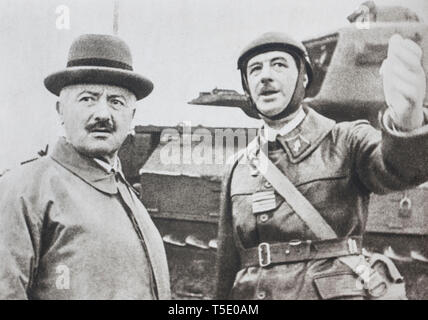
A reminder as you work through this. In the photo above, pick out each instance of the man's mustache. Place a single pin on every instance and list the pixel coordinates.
(105, 125)
(267, 88)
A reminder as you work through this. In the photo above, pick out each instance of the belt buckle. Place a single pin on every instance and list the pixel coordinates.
(264, 247)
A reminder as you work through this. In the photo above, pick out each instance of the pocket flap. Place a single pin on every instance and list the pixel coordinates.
(336, 285)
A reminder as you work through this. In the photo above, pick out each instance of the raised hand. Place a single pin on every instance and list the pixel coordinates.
(404, 82)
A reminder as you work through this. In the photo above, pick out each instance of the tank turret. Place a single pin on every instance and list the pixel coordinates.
(347, 84)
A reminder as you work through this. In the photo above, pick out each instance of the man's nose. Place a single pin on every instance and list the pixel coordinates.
(102, 111)
(266, 75)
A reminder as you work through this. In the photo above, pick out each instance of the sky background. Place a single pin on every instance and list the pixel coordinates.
(183, 46)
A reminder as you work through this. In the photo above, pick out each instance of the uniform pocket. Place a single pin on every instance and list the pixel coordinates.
(339, 286)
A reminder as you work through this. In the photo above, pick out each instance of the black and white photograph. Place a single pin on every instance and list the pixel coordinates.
(205, 150)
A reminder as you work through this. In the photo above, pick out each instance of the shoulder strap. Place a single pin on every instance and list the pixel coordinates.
(294, 198)
(304, 208)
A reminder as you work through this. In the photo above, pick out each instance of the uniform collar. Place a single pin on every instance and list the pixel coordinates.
(306, 136)
(84, 167)
(270, 134)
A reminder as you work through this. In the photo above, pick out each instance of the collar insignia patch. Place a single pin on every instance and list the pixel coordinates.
(297, 145)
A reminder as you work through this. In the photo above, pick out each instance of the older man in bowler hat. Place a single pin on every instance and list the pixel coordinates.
(71, 227)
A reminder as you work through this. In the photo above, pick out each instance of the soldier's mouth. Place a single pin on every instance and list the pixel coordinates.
(266, 93)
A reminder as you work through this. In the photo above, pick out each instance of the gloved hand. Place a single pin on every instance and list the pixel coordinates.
(404, 83)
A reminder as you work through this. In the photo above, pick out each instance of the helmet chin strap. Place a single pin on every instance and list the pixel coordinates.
(296, 99)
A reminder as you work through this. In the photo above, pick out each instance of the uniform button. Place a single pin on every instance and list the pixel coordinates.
(254, 172)
(261, 295)
(267, 185)
(264, 217)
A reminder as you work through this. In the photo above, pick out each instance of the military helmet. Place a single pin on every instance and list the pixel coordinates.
(272, 41)
(276, 41)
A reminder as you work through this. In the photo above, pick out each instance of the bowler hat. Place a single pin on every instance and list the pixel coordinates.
(99, 59)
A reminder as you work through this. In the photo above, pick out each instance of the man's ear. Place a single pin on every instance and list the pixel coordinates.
(305, 80)
(59, 110)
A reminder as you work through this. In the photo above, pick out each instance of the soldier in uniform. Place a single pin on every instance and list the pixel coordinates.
(266, 250)
(71, 227)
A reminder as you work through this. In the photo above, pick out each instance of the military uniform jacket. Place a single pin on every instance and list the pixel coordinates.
(65, 234)
(335, 166)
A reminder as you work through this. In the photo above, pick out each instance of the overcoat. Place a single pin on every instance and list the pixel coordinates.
(65, 233)
(336, 166)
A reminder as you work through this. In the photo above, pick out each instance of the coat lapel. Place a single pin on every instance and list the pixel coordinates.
(157, 255)
(83, 167)
(89, 171)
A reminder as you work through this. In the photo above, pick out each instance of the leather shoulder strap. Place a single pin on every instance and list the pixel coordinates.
(313, 219)
(310, 216)
(303, 207)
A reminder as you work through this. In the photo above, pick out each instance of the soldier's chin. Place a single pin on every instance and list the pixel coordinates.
(270, 110)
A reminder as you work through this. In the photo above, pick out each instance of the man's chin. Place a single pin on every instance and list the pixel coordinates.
(97, 150)
(270, 111)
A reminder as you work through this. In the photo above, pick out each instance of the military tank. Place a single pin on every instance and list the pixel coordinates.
(183, 196)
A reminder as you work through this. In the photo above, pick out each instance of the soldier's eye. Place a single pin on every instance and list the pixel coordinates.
(254, 69)
(280, 65)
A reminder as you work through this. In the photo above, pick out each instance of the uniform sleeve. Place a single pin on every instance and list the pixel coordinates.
(227, 255)
(19, 238)
(389, 160)
(406, 152)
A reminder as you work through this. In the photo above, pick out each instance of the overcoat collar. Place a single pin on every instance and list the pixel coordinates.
(84, 167)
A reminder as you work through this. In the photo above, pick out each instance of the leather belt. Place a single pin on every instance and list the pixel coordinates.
(267, 254)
